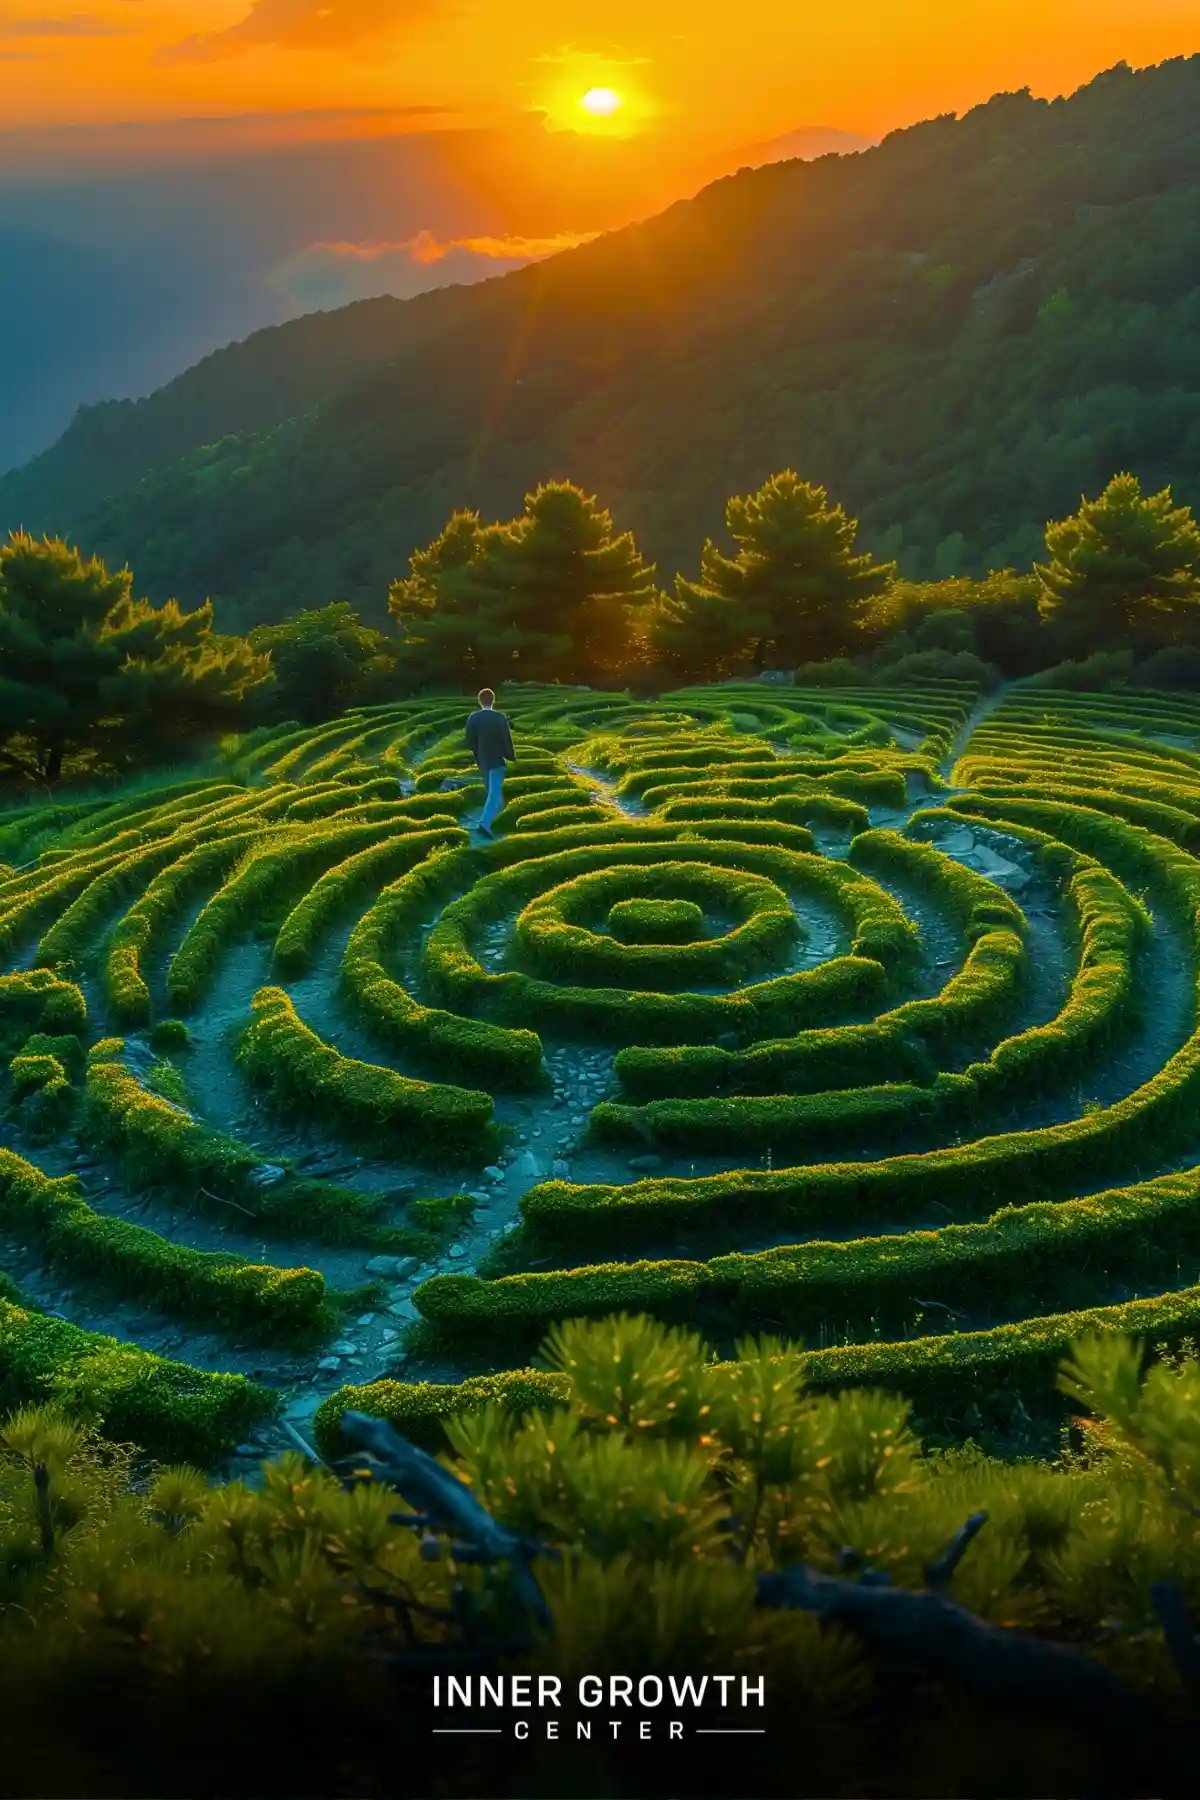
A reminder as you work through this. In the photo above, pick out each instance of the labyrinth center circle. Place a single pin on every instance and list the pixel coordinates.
(655, 921)
(748, 921)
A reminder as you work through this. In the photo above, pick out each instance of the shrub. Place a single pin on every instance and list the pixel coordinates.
(429, 1121)
(129, 1258)
(171, 1410)
(160, 1143)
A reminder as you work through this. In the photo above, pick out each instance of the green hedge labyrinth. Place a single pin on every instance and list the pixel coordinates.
(861, 1016)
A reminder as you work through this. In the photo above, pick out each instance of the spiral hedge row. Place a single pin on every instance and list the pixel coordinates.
(893, 992)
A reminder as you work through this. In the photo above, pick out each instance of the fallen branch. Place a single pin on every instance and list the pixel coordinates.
(931, 1630)
(1167, 1599)
(441, 1497)
(927, 1631)
(222, 1201)
(301, 1444)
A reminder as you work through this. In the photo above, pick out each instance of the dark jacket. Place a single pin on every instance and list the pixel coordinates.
(489, 739)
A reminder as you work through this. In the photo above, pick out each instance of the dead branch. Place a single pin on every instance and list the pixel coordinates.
(222, 1201)
(441, 1496)
(1167, 1599)
(938, 1574)
(928, 1630)
(301, 1444)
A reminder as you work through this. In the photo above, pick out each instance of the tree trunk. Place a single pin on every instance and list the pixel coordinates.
(52, 766)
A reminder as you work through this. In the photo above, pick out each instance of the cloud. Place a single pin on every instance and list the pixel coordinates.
(75, 25)
(302, 25)
(328, 275)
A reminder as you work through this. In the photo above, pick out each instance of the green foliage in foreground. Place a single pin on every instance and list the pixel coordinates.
(670, 1482)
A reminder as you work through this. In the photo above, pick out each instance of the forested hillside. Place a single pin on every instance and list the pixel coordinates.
(958, 332)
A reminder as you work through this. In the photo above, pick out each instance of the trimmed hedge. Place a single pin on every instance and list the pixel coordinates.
(299, 935)
(1146, 1124)
(418, 1408)
(887, 1113)
(143, 925)
(555, 944)
(176, 1413)
(39, 1000)
(424, 1119)
(471, 1048)
(285, 860)
(839, 1056)
(787, 809)
(655, 921)
(946, 1377)
(159, 1144)
(883, 941)
(269, 1302)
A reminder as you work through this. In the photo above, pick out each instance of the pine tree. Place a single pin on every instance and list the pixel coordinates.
(84, 667)
(792, 594)
(1126, 563)
(439, 638)
(550, 596)
(697, 632)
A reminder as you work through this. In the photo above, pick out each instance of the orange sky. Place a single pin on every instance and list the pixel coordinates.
(708, 69)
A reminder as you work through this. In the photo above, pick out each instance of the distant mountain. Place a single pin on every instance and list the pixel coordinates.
(805, 145)
(129, 252)
(958, 330)
(809, 142)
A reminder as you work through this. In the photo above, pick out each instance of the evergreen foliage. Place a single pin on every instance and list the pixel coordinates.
(794, 592)
(84, 667)
(546, 597)
(1124, 566)
(659, 1496)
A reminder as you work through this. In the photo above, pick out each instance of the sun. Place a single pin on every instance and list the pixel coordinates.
(600, 102)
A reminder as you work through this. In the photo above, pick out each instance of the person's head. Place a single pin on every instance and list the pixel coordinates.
(486, 697)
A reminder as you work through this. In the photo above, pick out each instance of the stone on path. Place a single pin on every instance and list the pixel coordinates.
(998, 868)
(329, 1365)
(560, 1169)
(957, 842)
(645, 1164)
(267, 1175)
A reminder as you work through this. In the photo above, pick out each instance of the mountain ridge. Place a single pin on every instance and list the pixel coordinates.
(958, 330)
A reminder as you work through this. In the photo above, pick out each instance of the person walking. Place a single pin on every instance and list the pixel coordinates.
(490, 742)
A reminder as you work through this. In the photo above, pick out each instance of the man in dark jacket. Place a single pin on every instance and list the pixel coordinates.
(490, 742)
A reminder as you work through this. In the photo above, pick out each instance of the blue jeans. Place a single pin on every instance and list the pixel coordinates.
(495, 796)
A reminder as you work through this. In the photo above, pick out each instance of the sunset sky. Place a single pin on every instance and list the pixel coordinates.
(175, 174)
(712, 71)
